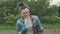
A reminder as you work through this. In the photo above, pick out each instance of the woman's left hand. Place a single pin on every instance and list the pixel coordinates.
(40, 29)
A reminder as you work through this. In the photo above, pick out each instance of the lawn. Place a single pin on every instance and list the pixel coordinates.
(52, 26)
(7, 27)
(45, 25)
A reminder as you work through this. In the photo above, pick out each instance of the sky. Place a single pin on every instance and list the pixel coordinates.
(55, 2)
(52, 2)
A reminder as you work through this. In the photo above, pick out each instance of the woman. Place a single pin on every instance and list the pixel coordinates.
(28, 24)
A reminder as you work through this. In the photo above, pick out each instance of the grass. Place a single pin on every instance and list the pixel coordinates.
(51, 26)
(45, 25)
(7, 27)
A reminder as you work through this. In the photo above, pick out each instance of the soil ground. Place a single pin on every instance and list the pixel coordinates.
(46, 31)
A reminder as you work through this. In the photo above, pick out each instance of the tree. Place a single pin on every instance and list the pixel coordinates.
(59, 11)
(38, 7)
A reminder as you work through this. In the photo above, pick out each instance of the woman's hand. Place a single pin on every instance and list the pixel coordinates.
(34, 24)
(20, 32)
(40, 29)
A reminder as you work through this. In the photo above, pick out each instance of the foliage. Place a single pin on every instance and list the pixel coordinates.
(11, 20)
(50, 19)
(9, 11)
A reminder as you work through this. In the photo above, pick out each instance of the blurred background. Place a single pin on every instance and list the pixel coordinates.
(47, 10)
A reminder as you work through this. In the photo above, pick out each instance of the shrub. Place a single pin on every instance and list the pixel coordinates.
(11, 20)
(50, 19)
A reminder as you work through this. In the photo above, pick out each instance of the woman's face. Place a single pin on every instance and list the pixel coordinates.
(25, 12)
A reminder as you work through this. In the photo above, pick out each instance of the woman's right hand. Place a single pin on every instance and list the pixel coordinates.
(35, 22)
(20, 32)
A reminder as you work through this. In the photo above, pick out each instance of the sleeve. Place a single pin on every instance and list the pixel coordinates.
(39, 25)
(24, 26)
(18, 28)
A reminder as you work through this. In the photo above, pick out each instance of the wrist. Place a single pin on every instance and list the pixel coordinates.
(20, 32)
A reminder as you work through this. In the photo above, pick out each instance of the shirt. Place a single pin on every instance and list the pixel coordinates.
(29, 27)
(20, 27)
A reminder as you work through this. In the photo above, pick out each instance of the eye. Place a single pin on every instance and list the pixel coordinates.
(26, 12)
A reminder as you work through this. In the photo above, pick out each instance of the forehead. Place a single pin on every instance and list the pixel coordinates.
(25, 10)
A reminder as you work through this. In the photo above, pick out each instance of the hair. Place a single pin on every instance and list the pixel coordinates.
(22, 6)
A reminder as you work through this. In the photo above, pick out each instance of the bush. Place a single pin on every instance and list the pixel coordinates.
(11, 20)
(50, 19)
